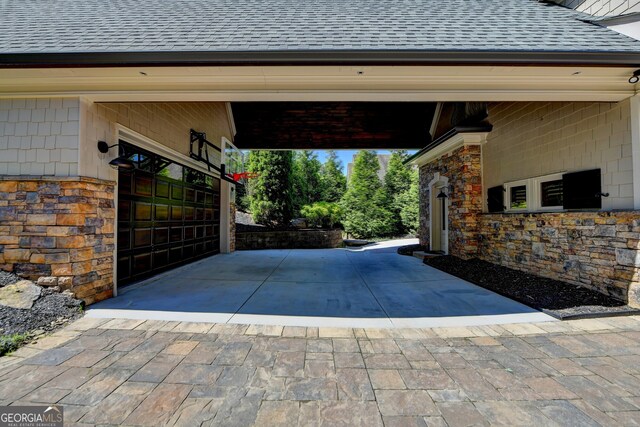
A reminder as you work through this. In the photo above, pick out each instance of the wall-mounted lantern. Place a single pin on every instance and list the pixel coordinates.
(121, 162)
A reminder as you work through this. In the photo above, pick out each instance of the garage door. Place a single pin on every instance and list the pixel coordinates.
(168, 215)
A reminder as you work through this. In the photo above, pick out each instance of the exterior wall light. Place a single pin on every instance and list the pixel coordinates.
(120, 162)
(442, 195)
(635, 78)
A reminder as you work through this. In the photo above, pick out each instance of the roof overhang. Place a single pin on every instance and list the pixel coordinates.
(427, 83)
(457, 137)
(316, 57)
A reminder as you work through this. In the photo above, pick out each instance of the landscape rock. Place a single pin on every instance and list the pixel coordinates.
(20, 295)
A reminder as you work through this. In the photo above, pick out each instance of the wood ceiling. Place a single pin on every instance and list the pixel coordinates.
(332, 125)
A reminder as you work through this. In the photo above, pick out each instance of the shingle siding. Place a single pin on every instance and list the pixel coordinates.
(604, 7)
(39, 136)
(531, 139)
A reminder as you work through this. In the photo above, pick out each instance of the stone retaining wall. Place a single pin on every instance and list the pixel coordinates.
(600, 250)
(59, 230)
(232, 227)
(293, 239)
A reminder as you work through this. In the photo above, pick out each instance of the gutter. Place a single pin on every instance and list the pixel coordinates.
(487, 127)
(317, 57)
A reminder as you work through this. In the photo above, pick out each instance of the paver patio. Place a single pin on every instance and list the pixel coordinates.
(135, 372)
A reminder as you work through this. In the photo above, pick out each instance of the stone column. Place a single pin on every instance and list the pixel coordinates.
(463, 169)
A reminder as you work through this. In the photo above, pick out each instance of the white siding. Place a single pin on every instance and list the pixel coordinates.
(532, 139)
(39, 136)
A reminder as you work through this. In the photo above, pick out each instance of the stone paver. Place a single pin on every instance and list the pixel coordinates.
(583, 373)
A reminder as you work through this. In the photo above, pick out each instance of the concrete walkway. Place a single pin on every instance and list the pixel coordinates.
(135, 372)
(370, 287)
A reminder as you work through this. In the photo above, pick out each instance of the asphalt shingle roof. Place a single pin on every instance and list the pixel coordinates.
(72, 26)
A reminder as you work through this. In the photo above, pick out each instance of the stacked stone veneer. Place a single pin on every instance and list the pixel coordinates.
(463, 168)
(600, 250)
(232, 227)
(61, 228)
(288, 239)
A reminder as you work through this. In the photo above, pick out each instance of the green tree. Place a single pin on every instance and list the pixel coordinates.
(397, 183)
(322, 214)
(408, 201)
(270, 198)
(334, 183)
(365, 204)
(306, 181)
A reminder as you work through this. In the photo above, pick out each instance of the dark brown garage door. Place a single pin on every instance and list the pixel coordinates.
(168, 215)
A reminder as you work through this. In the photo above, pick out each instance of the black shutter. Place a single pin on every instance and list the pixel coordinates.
(582, 190)
(495, 199)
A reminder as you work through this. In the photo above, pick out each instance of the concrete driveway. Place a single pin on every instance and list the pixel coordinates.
(366, 287)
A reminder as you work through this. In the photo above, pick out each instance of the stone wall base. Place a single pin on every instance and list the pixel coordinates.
(294, 239)
(600, 250)
(59, 229)
(463, 170)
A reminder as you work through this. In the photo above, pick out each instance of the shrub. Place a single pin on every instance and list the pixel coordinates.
(322, 214)
(9, 343)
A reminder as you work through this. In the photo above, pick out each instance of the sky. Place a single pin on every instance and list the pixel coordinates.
(346, 156)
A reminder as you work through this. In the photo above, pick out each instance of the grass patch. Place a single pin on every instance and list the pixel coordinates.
(9, 343)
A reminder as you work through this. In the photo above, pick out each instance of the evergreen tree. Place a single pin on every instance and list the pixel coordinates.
(366, 213)
(334, 183)
(408, 202)
(397, 182)
(271, 200)
(306, 181)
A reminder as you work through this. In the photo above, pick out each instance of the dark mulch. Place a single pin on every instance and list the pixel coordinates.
(558, 299)
(408, 250)
(49, 312)
(7, 278)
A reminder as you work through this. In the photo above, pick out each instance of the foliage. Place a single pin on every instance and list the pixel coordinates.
(322, 214)
(408, 202)
(334, 183)
(403, 199)
(9, 343)
(271, 201)
(306, 182)
(243, 199)
(365, 203)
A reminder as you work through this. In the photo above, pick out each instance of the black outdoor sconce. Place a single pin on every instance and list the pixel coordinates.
(442, 195)
(120, 162)
(635, 78)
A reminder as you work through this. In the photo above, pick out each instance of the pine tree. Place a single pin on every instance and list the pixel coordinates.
(270, 193)
(334, 182)
(306, 180)
(397, 182)
(366, 213)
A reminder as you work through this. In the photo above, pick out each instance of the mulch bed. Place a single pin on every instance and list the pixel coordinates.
(50, 312)
(408, 250)
(558, 299)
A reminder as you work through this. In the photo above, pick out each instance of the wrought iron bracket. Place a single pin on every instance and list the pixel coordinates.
(201, 152)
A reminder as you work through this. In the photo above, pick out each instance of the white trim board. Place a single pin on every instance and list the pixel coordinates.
(149, 144)
(635, 148)
(456, 141)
